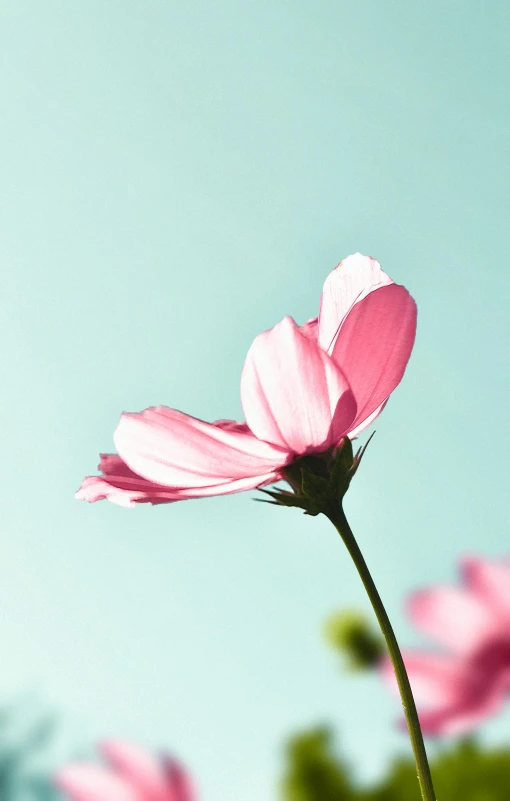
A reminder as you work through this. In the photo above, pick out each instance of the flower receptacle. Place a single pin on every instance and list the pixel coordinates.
(319, 481)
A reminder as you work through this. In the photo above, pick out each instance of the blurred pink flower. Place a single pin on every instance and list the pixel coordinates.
(302, 391)
(131, 774)
(457, 689)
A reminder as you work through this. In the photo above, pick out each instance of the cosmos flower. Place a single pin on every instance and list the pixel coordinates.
(466, 681)
(303, 389)
(131, 774)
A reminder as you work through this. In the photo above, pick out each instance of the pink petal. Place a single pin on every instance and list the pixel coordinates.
(292, 393)
(232, 425)
(436, 680)
(461, 719)
(374, 345)
(355, 432)
(230, 487)
(353, 279)
(310, 329)
(490, 581)
(198, 458)
(455, 617)
(95, 488)
(121, 486)
(88, 782)
(182, 788)
(138, 768)
(451, 696)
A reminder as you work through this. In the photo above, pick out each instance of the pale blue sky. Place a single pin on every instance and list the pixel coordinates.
(176, 177)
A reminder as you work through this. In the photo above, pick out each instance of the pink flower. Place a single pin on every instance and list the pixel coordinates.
(457, 688)
(302, 391)
(131, 775)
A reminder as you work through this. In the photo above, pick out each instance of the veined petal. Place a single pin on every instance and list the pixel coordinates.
(292, 393)
(455, 617)
(121, 486)
(352, 280)
(139, 768)
(356, 431)
(374, 345)
(178, 451)
(88, 782)
(125, 488)
(232, 425)
(230, 487)
(310, 329)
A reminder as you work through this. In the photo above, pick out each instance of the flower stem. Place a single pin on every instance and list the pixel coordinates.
(337, 516)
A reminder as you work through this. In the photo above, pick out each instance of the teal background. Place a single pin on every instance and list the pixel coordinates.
(176, 177)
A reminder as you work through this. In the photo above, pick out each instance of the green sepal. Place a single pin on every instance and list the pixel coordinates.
(285, 498)
(311, 484)
(319, 481)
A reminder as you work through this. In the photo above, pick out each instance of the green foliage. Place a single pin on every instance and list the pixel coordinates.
(351, 634)
(22, 745)
(463, 772)
(313, 772)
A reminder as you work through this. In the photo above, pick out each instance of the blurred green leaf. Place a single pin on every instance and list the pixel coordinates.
(351, 634)
(313, 772)
(23, 743)
(463, 772)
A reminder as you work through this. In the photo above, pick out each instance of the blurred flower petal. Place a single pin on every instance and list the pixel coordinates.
(456, 691)
(89, 782)
(436, 679)
(453, 616)
(490, 581)
(132, 774)
(138, 767)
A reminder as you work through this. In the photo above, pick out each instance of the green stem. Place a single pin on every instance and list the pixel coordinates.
(337, 516)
